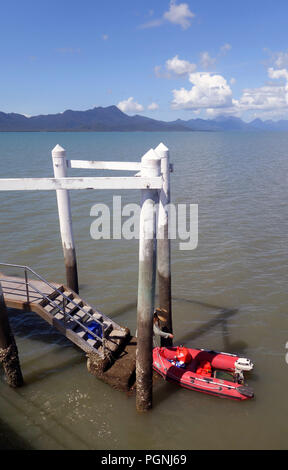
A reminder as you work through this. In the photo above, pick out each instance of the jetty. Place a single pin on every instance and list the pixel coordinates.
(112, 354)
(101, 338)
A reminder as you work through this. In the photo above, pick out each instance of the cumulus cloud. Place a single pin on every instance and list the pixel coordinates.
(267, 101)
(153, 106)
(276, 74)
(211, 92)
(180, 67)
(263, 98)
(130, 106)
(177, 14)
(272, 98)
(208, 91)
(229, 111)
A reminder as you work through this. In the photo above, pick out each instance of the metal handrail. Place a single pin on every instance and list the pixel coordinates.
(49, 284)
(59, 307)
(54, 288)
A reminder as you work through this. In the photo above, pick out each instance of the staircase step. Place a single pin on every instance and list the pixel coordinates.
(98, 317)
(50, 308)
(51, 296)
(94, 342)
(69, 322)
(114, 339)
(81, 333)
(83, 314)
(108, 327)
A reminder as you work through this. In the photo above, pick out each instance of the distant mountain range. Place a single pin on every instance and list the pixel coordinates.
(112, 119)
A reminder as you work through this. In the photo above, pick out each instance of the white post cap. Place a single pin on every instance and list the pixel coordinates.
(162, 150)
(150, 164)
(58, 151)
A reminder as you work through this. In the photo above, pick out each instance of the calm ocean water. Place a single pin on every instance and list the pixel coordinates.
(229, 294)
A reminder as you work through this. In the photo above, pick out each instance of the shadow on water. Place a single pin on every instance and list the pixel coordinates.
(164, 391)
(9, 440)
(219, 320)
(30, 325)
(34, 327)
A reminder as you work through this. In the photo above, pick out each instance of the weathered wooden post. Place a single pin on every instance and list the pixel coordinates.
(8, 349)
(150, 166)
(163, 246)
(65, 219)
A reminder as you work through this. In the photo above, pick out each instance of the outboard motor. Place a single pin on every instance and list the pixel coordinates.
(242, 364)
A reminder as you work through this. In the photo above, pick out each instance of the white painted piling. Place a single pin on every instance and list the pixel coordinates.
(65, 219)
(163, 246)
(150, 166)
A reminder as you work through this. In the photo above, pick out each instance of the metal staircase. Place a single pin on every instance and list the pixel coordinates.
(81, 323)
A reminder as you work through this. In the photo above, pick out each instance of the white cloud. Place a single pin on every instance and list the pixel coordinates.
(211, 92)
(266, 98)
(271, 98)
(130, 106)
(232, 80)
(153, 106)
(276, 74)
(180, 67)
(179, 14)
(206, 60)
(229, 111)
(208, 91)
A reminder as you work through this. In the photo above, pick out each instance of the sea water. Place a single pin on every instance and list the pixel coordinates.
(229, 294)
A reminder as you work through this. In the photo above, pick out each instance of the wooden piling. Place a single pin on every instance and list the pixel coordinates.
(8, 349)
(65, 219)
(163, 247)
(150, 166)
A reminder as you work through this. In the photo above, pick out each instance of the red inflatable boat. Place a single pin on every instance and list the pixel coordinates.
(201, 370)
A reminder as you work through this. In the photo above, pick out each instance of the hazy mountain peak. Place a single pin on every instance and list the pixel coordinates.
(111, 118)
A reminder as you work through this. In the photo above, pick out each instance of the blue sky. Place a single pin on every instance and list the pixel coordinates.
(164, 59)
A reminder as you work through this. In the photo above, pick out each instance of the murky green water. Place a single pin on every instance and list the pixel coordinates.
(229, 294)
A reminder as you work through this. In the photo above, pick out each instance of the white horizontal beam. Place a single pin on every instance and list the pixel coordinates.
(48, 184)
(94, 165)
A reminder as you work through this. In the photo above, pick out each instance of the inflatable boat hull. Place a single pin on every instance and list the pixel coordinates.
(164, 360)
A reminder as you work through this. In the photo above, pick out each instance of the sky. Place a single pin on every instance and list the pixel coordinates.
(163, 59)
